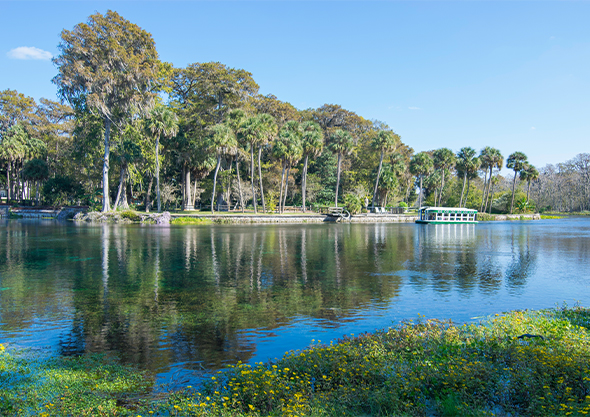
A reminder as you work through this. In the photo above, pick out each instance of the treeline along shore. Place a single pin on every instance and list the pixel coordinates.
(135, 132)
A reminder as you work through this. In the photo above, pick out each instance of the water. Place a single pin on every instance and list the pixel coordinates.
(184, 301)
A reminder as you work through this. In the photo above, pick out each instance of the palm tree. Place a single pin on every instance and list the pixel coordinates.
(312, 143)
(389, 180)
(222, 142)
(516, 162)
(494, 160)
(162, 122)
(528, 174)
(468, 164)
(385, 141)
(288, 148)
(268, 131)
(421, 165)
(341, 143)
(444, 159)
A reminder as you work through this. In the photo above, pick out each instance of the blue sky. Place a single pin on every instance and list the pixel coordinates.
(514, 75)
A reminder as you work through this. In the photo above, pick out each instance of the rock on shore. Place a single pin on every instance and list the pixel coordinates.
(123, 217)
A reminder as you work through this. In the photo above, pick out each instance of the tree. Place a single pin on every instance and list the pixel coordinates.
(312, 143)
(268, 130)
(161, 122)
(16, 108)
(235, 119)
(444, 159)
(112, 66)
(385, 141)
(421, 165)
(341, 143)
(288, 148)
(36, 170)
(222, 142)
(529, 173)
(516, 162)
(490, 158)
(467, 164)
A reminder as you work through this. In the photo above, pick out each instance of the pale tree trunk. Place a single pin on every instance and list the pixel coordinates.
(467, 195)
(183, 186)
(420, 196)
(286, 186)
(527, 192)
(484, 191)
(189, 205)
(148, 200)
(260, 179)
(338, 178)
(106, 206)
(215, 183)
(463, 189)
(252, 177)
(513, 189)
(304, 181)
(281, 188)
(8, 186)
(239, 184)
(488, 192)
(158, 174)
(377, 180)
(195, 194)
(492, 193)
(121, 182)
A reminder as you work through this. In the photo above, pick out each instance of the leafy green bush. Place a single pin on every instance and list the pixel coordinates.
(353, 203)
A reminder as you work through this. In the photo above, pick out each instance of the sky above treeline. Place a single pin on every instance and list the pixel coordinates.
(513, 75)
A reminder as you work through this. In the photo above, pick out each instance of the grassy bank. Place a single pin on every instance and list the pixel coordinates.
(414, 369)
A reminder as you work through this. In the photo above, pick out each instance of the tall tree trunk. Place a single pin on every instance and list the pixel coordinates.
(467, 195)
(463, 189)
(484, 191)
(194, 194)
(252, 176)
(286, 186)
(106, 206)
(239, 184)
(260, 179)
(215, 183)
(492, 193)
(488, 191)
(189, 205)
(420, 196)
(513, 189)
(281, 188)
(377, 180)
(442, 186)
(338, 178)
(8, 185)
(121, 182)
(148, 200)
(304, 181)
(527, 192)
(158, 174)
(183, 186)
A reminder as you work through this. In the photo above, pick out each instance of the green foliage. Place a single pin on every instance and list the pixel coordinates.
(35, 170)
(353, 203)
(272, 200)
(131, 215)
(61, 190)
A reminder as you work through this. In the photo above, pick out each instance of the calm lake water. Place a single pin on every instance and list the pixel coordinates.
(184, 301)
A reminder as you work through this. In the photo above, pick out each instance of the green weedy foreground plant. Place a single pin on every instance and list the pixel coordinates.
(527, 363)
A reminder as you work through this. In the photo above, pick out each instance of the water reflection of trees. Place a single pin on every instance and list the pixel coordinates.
(163, 295)
(158, 296)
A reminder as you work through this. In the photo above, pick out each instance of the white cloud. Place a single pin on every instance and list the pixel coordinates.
(414, 108)
(29, 52)
(533, 128)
